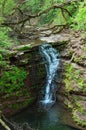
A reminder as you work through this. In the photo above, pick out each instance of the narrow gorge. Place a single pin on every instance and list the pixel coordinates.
(43, 65)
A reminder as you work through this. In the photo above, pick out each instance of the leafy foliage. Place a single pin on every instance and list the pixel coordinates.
(5, 41)
(80, 17)
(6, 6)
(12, 80)
(73, 78)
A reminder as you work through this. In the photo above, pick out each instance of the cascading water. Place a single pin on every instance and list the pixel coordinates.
(53, 119)
(51, 57)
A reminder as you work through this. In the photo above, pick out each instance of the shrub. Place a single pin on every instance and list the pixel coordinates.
(12, 80)
(80, 17)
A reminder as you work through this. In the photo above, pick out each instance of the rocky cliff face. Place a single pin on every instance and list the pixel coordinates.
(29, 59)
(72, 48)
(75, 77)
(72, 93)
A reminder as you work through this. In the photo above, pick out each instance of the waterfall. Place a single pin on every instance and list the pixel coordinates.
(51, 58)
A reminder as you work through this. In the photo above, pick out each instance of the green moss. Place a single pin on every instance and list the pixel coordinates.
(77, 119)
(73, 77)
(24, 48)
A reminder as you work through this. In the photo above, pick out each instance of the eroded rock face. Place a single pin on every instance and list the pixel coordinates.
(74, 78)
(72, 48)
(73, 88)
(30, 60)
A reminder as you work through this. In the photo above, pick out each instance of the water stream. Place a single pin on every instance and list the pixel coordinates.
(51, 58)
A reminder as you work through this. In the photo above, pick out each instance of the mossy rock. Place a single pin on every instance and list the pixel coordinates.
(74, 79)
(79, 118)
(24, 48)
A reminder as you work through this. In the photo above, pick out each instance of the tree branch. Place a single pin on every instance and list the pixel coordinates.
(3, 123)
(28, 17)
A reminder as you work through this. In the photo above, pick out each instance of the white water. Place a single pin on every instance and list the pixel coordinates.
(51, 57)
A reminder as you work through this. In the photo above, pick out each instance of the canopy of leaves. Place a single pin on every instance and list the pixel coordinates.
(80, 17)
